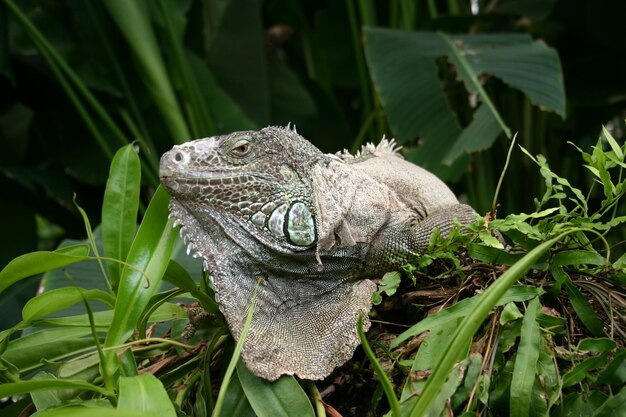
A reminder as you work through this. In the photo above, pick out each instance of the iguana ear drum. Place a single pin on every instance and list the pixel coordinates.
(300, 225)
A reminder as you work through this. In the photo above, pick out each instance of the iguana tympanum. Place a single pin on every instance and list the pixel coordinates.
(270, 207)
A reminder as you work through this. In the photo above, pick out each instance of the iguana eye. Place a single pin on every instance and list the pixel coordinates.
(241, 148)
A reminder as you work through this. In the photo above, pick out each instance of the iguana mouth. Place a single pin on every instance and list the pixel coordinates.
(188, 175)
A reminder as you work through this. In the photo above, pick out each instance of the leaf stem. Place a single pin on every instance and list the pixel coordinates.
(382, 376)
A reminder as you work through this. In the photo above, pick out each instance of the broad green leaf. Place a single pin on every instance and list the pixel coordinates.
(85, 368)
(103, 319)
(44, 399)
(94, 412)
(28, 352)
(55, 300)
(463, 308)
(119, 208)
(388, 284)
(479, 135)
(525, 64)
(582, 404)
(411, 93)
(459, 57)
(509, 313)
(471, 378)
(283, 397)
(150, 252)
(450, 386)
(178, 276)
(235, 401)
(37, 262)
(525, 370)
(25, 387)
(581, 370)
(492, 255)
(144, 393)
(583, 309)
(412, 96)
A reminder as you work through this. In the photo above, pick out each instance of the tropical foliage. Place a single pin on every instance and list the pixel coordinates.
(522, 315)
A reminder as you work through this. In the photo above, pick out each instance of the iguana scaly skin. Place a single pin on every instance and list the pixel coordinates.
(312, 227)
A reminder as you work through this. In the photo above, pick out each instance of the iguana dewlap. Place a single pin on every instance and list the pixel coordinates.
(312, 226)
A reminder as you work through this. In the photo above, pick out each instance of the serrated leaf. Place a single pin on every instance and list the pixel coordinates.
(613, 144)
(389, 283)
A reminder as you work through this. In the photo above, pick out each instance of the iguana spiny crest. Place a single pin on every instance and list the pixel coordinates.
(312, 226)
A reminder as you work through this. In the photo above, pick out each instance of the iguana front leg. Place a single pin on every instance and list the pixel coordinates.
(406, 235)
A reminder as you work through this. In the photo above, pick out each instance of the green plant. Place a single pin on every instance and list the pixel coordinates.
(530, 362)
(84, 80)
(88, 350)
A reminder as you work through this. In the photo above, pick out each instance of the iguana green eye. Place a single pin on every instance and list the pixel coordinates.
(241, 148)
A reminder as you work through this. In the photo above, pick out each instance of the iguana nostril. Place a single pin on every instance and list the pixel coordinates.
(178, 157)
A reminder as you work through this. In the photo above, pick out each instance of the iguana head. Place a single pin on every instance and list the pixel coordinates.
(257, 176)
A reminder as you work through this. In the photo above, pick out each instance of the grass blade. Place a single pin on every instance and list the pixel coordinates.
(233, 361)
(133, 19)
(382, 376)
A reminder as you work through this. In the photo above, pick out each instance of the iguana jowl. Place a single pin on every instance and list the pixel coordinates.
(313, 226)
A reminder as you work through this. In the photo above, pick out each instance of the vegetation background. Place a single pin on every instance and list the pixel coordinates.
(79, 80)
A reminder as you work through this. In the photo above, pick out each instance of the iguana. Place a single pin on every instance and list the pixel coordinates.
(267, 206)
